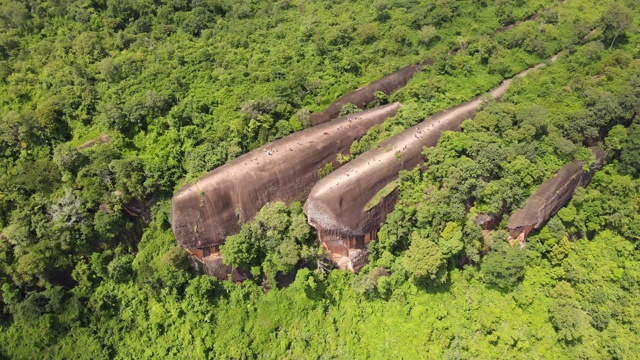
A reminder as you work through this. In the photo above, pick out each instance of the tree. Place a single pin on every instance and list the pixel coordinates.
(616, 20)
(49, 115)
(68, 158)
(424, 260)
(282, 257)
(630, 156)
(108, 224)
(450, 241)
(504, 11)
(110, 69)
(592, 50)
(14, 14)
(347, 109)
(88, 45)
(570, 322)
(504, 266)
(157, 104)
(428, 34)
(367, 33)
(119, 269)
(303, 116)
(129, 176)
(275, 238)
(196, 20)
(17, 234)
(238, 251)
(393, 236)
(615, 139)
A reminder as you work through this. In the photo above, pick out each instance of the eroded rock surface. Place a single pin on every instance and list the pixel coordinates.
(211, 263)
(550, 197)
(487, 222)
(205, 213)
(348, 206)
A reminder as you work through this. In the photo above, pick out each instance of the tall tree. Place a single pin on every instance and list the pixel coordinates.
(424, 260)
(616, 20)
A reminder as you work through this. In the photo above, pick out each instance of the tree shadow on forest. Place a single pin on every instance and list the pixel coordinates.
(502, 290)
(433, 286)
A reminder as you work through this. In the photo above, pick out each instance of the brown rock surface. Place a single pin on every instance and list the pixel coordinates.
(205, 213)
(211, 262)
(366, 95)
(487, 222)
(348, 206)
(550, 197)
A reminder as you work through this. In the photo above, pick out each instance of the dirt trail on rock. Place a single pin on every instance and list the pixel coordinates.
(340, 205)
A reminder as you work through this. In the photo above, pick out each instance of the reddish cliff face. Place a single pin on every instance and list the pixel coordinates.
(366, 95)
(348, 206)
(550, 197)
(205, 213)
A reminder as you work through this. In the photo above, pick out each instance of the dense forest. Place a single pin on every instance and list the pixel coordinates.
(108, 106)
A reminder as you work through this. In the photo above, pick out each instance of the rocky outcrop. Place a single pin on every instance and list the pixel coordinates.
(102, 139)
(487, 222)
(366, 95)
(350, 253)
(550, 197)
(206, 212)
(344, 206)
(210, 262)
(388, 84)
(348, 206)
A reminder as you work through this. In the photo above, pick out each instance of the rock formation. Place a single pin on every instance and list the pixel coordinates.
(550, 197)
(366, 95)
(348, 206)
(488, 222)
(388, 84)
(102, 139)
(212, 265)
(206, 212)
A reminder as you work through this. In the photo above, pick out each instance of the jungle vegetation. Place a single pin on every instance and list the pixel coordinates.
(89, 267)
